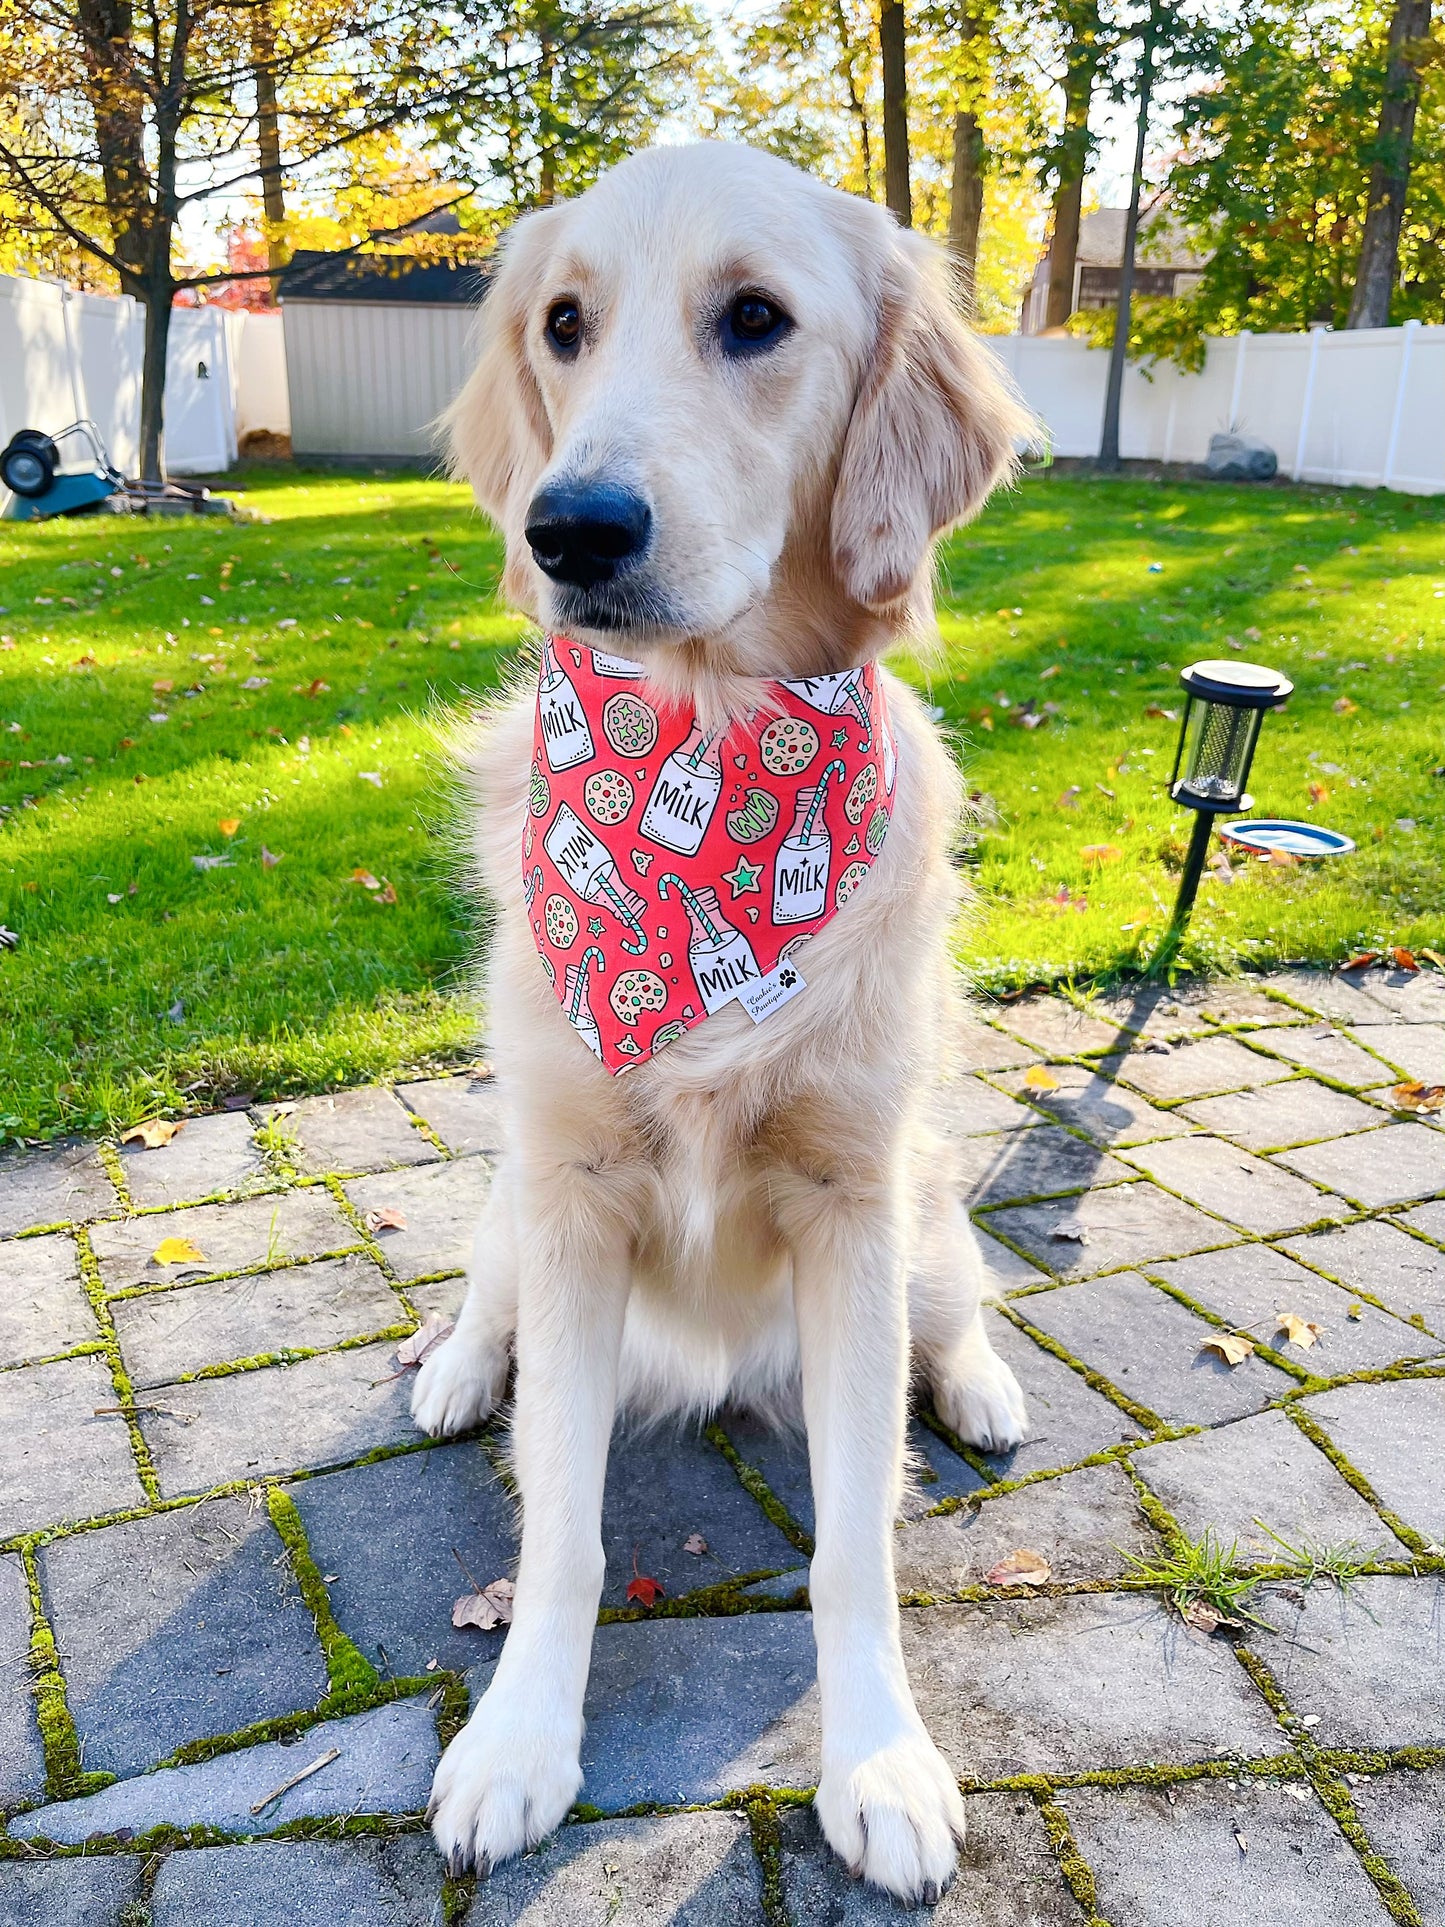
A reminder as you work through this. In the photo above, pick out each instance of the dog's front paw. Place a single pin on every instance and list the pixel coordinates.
(504, 1783)
(895, 1817)
(458, 1386)
(979, 1399)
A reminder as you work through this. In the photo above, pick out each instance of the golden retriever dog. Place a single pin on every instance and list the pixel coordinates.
(720, 414)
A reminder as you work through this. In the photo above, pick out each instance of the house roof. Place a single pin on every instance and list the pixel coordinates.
(1161, 243)
(313, 275)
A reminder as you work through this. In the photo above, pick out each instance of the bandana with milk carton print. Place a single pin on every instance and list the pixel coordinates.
(668, 871)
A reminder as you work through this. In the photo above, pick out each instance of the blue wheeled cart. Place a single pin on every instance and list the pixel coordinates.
(44, 482)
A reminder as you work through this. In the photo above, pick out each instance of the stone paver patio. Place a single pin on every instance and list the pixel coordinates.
(226, 1556)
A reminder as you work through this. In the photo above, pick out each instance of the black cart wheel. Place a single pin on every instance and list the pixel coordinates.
(28, 463)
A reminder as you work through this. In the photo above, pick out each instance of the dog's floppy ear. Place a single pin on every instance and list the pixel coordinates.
(496, 432)
(933, 430)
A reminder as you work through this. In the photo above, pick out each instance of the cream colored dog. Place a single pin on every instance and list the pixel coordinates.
(720, 414)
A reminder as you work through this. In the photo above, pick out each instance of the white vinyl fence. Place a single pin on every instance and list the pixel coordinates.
(367, 379)
(1365, 408)
(65, 355)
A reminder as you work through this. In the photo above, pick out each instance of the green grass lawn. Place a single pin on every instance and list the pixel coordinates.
(180, 690)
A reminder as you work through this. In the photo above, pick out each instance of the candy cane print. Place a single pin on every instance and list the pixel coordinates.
(834, 769)
(623, 909)
(579, 1008)
(720, 957)
(531, 885)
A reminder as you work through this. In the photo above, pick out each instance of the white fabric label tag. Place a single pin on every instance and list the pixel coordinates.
(767, 994)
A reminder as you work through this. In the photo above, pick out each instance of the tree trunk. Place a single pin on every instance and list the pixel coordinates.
(1390, 172)
(1079, 77)
(965, 208)
(857, 101)
(892, 40)
(117, 103)
(268, 139)
(157, 298)
(1109, 436)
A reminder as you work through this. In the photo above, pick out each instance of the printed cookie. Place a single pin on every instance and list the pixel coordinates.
(788, 746)
(629, 724)
(561, 920)
(539, 793)
(848, 882)
(666, 1034)
(634, 992)
(608, 796)
(877, 829)
(865, 788)
(757, 816)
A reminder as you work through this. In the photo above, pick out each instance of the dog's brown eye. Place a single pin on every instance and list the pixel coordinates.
(753, 322)
(564, 324)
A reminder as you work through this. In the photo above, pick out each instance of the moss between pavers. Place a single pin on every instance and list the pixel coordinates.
(94, 1289)
(722, 1601)
(293, 1354)
(1078, 1874)
(1334, 1795)
(1312, 1430)
(162, 1286)
(60, 1743)
(758, 1489)
(1141, 1414)
(350, 1675)
(767, 1841)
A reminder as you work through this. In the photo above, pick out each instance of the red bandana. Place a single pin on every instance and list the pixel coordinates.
(668, 871)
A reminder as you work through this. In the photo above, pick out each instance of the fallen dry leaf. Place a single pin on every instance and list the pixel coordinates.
(1020, 1568)
(228, 825)
(1344, 706)
(177, 1251)
(366, 879)
(1417, 1096)
(1100, 852)
(1066, 801)
(386, 894)
(1072, 1230)
(155, 1132)
(411, 1351)
(1300, 1331)
(1242, 1842)
(1038, 1077)
(1404, 959)
(1361, 960)
(695, 1544)
(1052, 670)
(269, 858)
(1319, 793)
(1434, 957)
(1232, 1347)
(1160, 713)
(1206, 1618)
(389, 1217)
(486, 1609)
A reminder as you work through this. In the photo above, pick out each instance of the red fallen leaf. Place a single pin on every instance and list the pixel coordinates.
(640, 1587)
(1404, 959)
(1319, 793)
(1361, 960)
(1160, 713)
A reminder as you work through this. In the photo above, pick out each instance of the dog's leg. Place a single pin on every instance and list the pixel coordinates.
(886, 1799)
(463, 1380)
(974, 1392)
(510, 1775)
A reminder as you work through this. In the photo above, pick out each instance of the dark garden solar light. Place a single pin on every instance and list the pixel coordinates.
(1225, 706)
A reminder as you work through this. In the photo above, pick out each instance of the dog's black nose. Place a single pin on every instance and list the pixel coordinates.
(584, 532)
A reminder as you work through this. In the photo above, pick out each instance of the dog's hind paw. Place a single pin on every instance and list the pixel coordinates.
(895, 1817)
(978, 1397)
(457, 1387)
(504, 1783)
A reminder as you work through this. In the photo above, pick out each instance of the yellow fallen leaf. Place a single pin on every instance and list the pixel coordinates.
(1417, 1096)
(1021, 1568)
(229, 825)
(155, 1132)
(1038, 1077)
(1432, 956)
(177, 1251)
(1100, 852)
(1300, 1331)
(1232, 1347)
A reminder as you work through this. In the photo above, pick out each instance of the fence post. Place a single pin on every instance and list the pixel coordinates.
(1305, 405)
(1232, 425)
(1407, 342)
